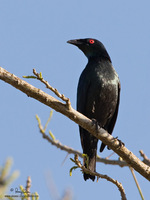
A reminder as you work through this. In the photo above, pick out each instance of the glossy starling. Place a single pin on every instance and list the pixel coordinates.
(98, 96)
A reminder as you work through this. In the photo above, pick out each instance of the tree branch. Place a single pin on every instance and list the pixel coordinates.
(78, 118)
(119, 185)
(70, 150)
(146, 160)
(61, 96)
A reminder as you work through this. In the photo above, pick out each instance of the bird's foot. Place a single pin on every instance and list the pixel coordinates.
(121, 144)
(95, 122)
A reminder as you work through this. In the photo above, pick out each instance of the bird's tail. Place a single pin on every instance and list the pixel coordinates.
(102, 147)
(90, 163)
(89, 146)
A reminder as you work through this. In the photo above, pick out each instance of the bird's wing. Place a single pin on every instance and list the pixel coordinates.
(112, 122)
(88, 142)
(113, 119)
(82, 93)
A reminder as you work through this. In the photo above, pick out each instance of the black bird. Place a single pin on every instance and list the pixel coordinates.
(98, 96)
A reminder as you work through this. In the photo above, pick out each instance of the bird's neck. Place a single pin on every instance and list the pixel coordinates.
(99, 58)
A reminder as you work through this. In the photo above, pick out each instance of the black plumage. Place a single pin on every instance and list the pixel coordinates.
(98, 96)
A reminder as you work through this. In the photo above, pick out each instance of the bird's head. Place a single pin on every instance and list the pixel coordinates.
(91, 47)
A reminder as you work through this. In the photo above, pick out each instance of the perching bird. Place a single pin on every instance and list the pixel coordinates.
(98, 96)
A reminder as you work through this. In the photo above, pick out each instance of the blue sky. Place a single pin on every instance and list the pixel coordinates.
(33, 35)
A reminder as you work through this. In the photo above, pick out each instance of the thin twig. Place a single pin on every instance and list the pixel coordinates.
(50, 116)
(110, 155)
(85, 170)
(70, 150)
(28, 186)
(146, 160)
(61, 96)
(137, 184)
(55, 142)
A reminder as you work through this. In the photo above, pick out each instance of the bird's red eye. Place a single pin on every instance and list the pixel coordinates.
(91, 41)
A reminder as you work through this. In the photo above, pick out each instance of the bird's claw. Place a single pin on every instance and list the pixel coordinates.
(95, 122)
(121, 144)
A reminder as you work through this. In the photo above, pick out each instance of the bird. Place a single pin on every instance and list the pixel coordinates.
(98, 96)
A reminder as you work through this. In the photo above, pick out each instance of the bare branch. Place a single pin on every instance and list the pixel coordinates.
(78, 118)
(136, 182)
(146, 160)
(70, 150)
(28, 186)
(61, 96)
(119, 185)
(26, 191)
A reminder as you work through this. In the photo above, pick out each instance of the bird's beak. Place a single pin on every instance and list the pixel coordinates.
(74, 42)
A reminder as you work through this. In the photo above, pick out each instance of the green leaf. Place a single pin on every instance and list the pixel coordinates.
(30, 77)
(40, 74)
(52, 136)
(50, 116)
(35, 196)
(73, 168)
(86, 160)
(38, 119)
